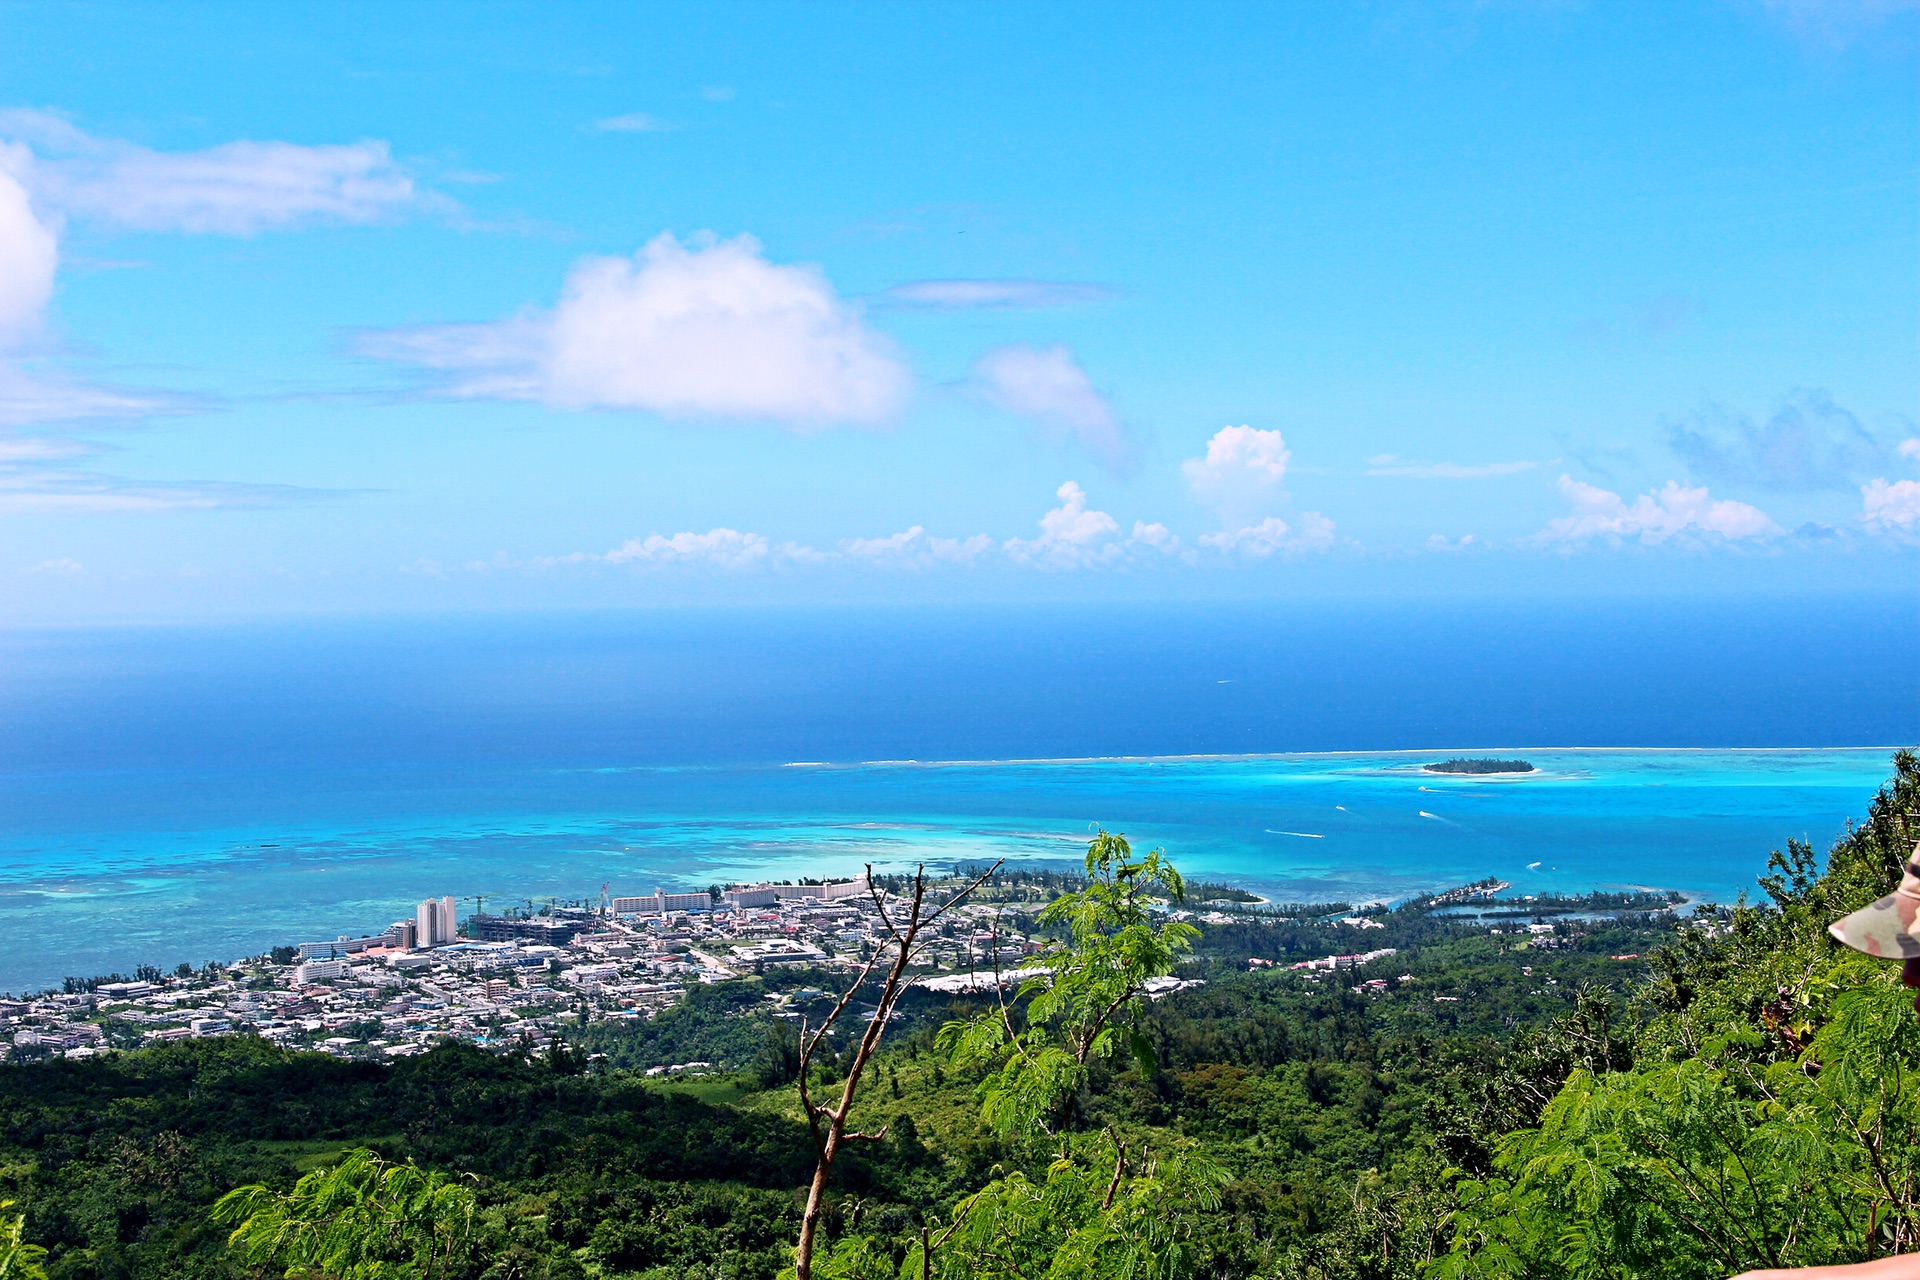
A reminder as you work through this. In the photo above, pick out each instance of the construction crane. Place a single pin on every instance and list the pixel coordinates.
(479, 901)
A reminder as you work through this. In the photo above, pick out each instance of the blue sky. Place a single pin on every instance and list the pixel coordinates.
(382, 308)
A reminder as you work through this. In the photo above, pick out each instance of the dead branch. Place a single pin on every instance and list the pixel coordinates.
(905, 934)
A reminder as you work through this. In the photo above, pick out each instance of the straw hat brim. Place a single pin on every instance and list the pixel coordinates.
(1884, 928)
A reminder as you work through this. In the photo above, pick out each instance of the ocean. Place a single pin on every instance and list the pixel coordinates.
(196, 793)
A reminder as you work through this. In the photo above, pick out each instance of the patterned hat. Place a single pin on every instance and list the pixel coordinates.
(1890, 928)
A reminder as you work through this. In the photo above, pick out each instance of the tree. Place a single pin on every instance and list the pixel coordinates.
(1081, 1222)
(778, 1060)
(18, 1259)
(1773, 1119)
(1086, 1003)
(363, 1219)
(827, 1121)
(1101, 1210)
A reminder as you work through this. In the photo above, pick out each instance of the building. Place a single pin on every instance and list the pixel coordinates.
(825, 892)
(406, 934)
(319, 971)
(779, 951)
(742, 896)
(540, 929)
(435, 923)
(662, 902)
(345, 946)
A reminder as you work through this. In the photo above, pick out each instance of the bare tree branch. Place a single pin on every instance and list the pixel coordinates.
(904, 935)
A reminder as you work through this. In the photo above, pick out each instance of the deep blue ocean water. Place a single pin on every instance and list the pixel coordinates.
(178, 794)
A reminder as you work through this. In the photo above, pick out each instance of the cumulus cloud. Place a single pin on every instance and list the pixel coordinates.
(1387, 464)
(1243, 476)
(915, 548)
(1047, 385)
(1888, 505)
(1809, 443)
(709, 328)
(1071, 536)
(1652, 517)
(1274, 535)
(720, 548)
(1242, 471)
(961, 295)
(1155, 535)
(29, 253)
(236, 188)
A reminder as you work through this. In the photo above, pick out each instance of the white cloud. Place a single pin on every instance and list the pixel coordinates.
(1070, 535)
(960, 295)
(718, 93)
(237, 188)
(27, 397)
(19, 449)
(1155, 535)
(51, 171)
(1243, 471)
(38, 476)
(1910, 447)
(1441, 542)
(1242, 476)
(913, 547)
(727, 548)
(720, 548)
(1048, 386)
(704, 329)
(56, 492)
(1887, 504)
(1387, 464)
(60, 564)
(29, 253)
(1274, 535)
(1652, 517)
(633, 122)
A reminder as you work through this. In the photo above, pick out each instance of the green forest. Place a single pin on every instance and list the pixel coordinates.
(1644, 1094)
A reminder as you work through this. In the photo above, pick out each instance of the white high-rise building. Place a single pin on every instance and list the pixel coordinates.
(435, 923)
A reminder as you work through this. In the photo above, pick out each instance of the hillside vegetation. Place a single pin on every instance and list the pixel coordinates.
(1635, 1097)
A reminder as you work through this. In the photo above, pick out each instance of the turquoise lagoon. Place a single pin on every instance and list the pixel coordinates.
(102, 870)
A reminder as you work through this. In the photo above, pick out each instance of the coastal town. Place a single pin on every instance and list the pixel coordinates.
(496, 980)
(523, 981)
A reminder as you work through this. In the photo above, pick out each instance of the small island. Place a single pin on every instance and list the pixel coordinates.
(1463, 765)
